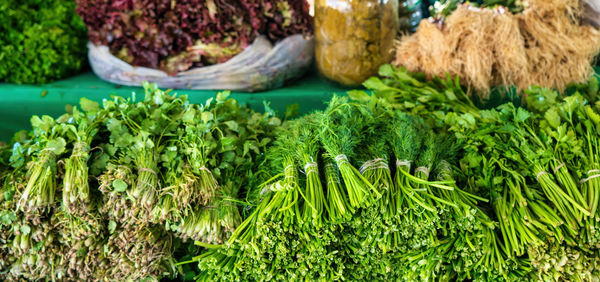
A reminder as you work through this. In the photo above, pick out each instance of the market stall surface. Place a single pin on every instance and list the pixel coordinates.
(19, 102)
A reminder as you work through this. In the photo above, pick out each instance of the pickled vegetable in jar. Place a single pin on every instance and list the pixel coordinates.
(354, 37)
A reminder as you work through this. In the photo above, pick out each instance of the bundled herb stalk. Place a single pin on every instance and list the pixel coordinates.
(145, 189)
(82, 240)
(342, 123)
(40, 192)
(76, 188)
(113, 182)
(338, 207)
(308, 147)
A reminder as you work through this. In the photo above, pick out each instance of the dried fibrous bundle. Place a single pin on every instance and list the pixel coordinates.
(547, 44)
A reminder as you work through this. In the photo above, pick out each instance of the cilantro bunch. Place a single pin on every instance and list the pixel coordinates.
(116, 191)
(41, 41)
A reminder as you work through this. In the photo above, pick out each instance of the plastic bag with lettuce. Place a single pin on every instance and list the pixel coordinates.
(247, 45)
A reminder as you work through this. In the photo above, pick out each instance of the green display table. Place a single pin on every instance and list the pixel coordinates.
(19, 102)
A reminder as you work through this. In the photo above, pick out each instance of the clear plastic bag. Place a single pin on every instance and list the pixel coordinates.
(259, 67)
(592, 12)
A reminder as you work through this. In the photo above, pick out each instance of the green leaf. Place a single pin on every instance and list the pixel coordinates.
(189, 116)
(450, 95)
(359, 95)
(227, 143)
(57, 145)
(89, 105)
(119, 185)
(38, 246)
(206, 117)
(112, 226)
(25, 229)
(374, 83)
(232, 125)
(291, 111)
(7, 218)
(593, 116)
(222, 96)
(17, 158)
(522, 115)
(386, 70)
(552, 117)
(99, 164)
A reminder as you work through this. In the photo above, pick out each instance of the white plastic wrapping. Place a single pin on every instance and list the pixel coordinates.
(259, 67)
(592, 12)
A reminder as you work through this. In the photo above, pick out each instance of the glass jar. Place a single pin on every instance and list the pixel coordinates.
(354, 37)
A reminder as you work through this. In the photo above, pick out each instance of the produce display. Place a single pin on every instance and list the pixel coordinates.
(360, 192)
(40, 41)
(524, 43)
(411, 182)
(417, 176)
(537, 166)
(112, 192)
(353, 38)
(175, 36)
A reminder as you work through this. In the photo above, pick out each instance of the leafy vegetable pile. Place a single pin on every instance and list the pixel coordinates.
(40, 41)
(416, 183)
(115, 192)
(361, 192)
(177, 35)
(412, 182)
(537, 166)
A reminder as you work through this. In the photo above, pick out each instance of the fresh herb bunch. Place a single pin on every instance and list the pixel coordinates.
(306, 227)
(536, 165)
(116, 191)
(444, 8)
(41, 41)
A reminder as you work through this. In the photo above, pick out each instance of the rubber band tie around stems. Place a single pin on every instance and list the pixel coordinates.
(403, 163)
(423, 169)
(374, 164)
(311, 167)
(590, 177)
(80, 150)
(540, 174)
(340, 159)
(331, 179)
(147, 170)
(287, 173)
(558, 167)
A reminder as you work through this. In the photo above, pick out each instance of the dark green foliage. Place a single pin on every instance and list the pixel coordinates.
(40, 41)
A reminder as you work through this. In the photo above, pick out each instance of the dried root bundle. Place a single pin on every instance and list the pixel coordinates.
(547, 44)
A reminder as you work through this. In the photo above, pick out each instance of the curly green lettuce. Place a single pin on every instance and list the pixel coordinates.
(40, 41)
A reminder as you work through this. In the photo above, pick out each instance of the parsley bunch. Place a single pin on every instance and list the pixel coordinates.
(536, 165)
